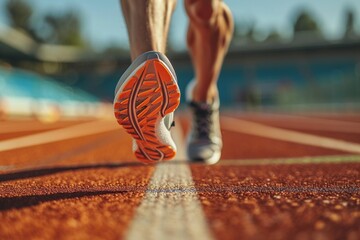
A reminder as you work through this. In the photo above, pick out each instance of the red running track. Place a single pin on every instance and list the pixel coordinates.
(91, 186)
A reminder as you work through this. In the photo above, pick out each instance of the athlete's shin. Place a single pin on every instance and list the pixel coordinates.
(148, 23)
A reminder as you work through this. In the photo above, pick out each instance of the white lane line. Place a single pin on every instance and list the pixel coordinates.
(166, 214)
(26, 128)
(309, 122)
(290, 161)
(334, 116)
(257, 129)
(6, 167)
(58, 135)
(169, 210)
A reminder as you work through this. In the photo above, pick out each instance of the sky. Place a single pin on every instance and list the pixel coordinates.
(103, 22)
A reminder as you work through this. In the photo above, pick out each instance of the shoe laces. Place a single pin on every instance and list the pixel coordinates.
(202, 119)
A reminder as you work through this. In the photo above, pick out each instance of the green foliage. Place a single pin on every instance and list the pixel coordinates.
(19, 13)
(115, 50)
(273, 36)
(60, 28)
(349, 24)
(305, 22)
(65, 29)
(243, 32)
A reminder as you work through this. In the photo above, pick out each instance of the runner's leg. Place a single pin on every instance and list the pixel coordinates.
(209, 34)
(148, 24)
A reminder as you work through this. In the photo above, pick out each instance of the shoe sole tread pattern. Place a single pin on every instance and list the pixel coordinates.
(147, 96)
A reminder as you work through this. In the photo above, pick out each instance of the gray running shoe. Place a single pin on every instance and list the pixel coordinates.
(146, 96)
(204, 141)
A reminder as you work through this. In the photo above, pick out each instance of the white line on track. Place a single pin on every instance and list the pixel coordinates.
(308, 122)
(58, 135)
(257, 129)
(6, 167)
(26, 128)
(296, 160)
(165, 214)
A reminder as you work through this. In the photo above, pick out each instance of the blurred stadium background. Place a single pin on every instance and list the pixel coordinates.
(63, 59)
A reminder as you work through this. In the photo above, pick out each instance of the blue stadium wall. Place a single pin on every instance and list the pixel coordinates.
(251, 78)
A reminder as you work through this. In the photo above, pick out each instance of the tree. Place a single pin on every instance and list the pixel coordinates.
(65, 29)
(306, 23)
(250, 33)
(115, 51)
(244, 32)
(273, 36)
(349, 24)
(61, 28)
(19, 13)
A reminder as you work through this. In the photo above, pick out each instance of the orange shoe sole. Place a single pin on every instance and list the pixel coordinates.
(145, 98)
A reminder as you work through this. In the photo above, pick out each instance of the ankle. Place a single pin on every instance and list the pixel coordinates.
(201, 94)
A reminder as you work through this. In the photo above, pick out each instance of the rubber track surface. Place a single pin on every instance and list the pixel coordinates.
(281, 202)
(90, 188)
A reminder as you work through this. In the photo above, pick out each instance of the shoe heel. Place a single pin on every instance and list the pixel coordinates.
(146, 97)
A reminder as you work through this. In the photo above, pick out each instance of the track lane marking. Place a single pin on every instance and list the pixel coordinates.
(27, 129)
(262, 130)
(33, 125)
(78, 150)
(294, 160)
(315, 123)
(66, 133)
(6, 167)
(168, 210)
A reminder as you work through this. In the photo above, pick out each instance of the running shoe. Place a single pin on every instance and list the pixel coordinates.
(204, 142)
(146, 97)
